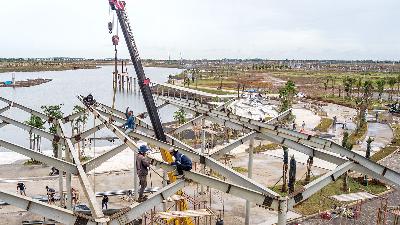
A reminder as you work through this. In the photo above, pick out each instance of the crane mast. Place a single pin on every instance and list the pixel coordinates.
(119, 7)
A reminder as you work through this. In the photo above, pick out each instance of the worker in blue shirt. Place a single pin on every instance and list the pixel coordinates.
(130, 121)
(182, 162)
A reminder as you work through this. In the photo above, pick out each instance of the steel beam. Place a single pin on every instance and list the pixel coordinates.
(78, 137)
(3, 124)
(319, 183)
(59, 164)
(186, 125)
(138, 121)
(49, 211)
(210, 162)
(281, 116)
(381, 171)
(224, 186)
(2, 110)
(194, 120)
(96, 162)
(234, 176)
(227, 172)
(73, 116)
(120, 116)
(303, 149)
(84, 180)
(323, 155)
(42, 133)
(229, 124)
(221, 152)
(137, 209)
(145, 114)
(26, 109)
(110, 109)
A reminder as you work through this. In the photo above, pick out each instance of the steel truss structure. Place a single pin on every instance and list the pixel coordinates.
(236, 184)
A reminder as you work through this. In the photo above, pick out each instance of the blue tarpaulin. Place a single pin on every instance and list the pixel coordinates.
(8, 82)
(251, 91)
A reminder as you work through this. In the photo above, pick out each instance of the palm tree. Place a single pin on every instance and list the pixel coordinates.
(78, 124)
(380, 84)
(34, 139)
(286, 95)
(180, 116)
(359, 85)
(333, 85)
(347, 85)
(368, 87)
(368, 155)
(392, 81)
(53, 111)
(398, 87)
(352, 81)
(346, 144)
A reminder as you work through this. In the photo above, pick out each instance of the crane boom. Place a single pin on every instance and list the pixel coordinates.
(126, 28)
(119, 7)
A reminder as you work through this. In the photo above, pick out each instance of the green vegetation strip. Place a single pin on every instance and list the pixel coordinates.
(266, 147)
(240, 169)
(324, 125)
(212, 91)
(390, 148)
(359, 135)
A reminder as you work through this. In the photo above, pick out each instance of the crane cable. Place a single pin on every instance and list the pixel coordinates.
(116, 77)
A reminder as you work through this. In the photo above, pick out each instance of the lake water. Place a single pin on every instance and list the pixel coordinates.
(64, 88)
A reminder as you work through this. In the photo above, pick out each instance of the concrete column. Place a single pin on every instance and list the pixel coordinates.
(250, 175)
(164, 183)
(282, 211)
(203, 148)
(68, 180)
(135, 179)
(61, 178)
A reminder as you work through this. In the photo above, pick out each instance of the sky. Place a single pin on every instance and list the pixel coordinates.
(199, 29)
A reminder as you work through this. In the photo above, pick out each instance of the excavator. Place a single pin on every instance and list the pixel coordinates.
(144, 85)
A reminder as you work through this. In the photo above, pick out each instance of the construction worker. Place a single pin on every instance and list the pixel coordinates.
(104, 202)
(50, 195)
(21, 188)
(142, 169)
(75, 195)
(182, 162)
(130, 121)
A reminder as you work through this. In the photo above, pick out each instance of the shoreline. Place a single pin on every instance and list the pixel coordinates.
(69, 66)
(41, 69)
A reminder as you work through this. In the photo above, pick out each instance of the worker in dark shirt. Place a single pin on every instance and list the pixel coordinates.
(21, 188)
(142, 169)
(130, 121)
(104, 202)
(182, 162)
(50, 194)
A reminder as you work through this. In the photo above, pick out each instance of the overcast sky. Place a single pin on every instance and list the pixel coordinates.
(273, 29)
